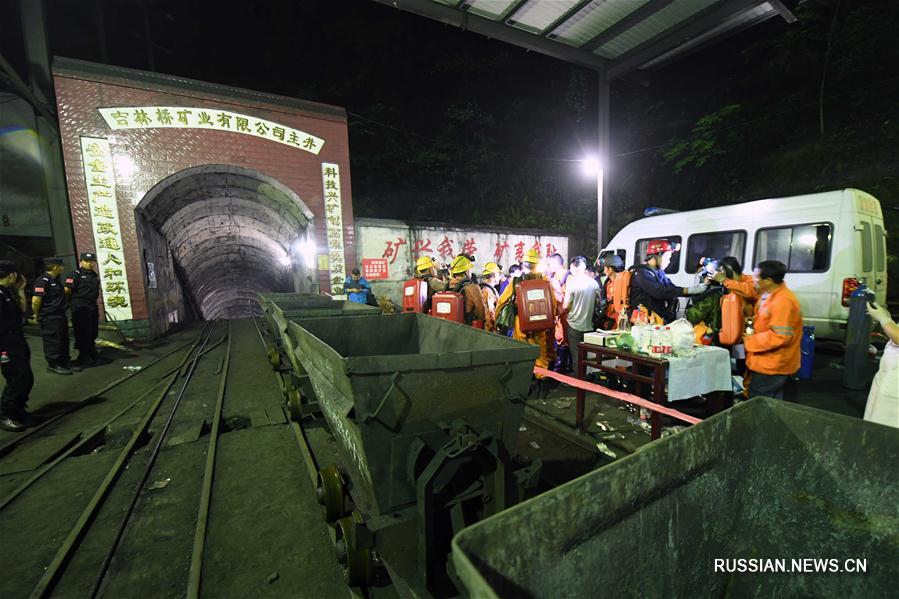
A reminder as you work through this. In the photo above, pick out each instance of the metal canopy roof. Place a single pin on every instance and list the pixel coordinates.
(615, 36)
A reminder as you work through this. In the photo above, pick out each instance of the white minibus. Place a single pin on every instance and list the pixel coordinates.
(831, 242)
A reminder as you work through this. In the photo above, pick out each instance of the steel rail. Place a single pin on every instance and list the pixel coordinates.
(9, 445)
(196, 559)
(54, 569)
(160, 437)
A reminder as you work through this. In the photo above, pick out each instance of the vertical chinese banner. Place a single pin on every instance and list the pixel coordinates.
(334, 225)
(99, 178)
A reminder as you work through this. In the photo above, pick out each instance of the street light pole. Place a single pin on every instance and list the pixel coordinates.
(600, 172)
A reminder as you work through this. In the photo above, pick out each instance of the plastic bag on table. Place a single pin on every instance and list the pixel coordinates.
(641, 334)
(682, 337)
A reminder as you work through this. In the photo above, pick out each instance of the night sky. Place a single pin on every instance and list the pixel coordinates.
(443, 122)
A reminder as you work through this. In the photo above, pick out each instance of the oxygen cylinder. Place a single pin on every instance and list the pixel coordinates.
(858, 338)
(536, 306)
(807, 350)
(448, 305)
(731, 320)
(415, 295)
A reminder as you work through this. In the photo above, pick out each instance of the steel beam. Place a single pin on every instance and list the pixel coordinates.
(497, 30)
(636, 17)
(680, 34)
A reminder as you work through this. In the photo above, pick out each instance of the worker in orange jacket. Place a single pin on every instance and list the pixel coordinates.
(545, 340)
(772, 346)
(730, 275)
(742, 285)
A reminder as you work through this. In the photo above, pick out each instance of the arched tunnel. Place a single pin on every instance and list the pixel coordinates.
(230, 234)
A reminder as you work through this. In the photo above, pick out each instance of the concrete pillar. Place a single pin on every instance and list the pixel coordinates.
(40, 79)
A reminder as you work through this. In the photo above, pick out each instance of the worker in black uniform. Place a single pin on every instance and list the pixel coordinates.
(49, 306)
(82, 287)
(15, 357)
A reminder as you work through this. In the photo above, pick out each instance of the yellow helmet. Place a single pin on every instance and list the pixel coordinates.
(492, 268)
(460, 264)
(424, 263)
(532, 256)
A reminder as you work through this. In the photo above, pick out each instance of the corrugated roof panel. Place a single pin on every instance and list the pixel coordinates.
(492, 9)
(744, 18)
(537, 15)
(657, 24)
(593, 19)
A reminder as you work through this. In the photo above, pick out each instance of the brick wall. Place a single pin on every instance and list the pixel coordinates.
(158, 153)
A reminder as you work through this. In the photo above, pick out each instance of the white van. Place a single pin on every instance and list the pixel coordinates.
(829, 241)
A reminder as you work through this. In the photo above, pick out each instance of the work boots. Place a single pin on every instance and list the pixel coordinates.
(8, 423)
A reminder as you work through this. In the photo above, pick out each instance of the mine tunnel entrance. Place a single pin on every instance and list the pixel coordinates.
(213, 237)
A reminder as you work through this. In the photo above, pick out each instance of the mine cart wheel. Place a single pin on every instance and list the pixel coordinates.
(274, 356)
(293, 405)
(330, 493)
(356, 560)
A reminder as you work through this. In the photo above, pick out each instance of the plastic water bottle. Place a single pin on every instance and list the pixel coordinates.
(667, 341)
(4, 358)
(656, 341)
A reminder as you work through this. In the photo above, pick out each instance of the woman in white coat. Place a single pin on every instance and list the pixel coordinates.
(883, 399)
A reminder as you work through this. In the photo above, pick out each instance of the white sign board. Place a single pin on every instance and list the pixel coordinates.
(189, 117)
(99, 177)
(401, 245)
(334, 225)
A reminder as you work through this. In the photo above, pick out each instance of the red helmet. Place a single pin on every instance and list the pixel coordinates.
(659, 246)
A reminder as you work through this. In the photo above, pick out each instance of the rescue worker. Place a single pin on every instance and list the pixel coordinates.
(772, 347)
(49, 306)
(514, 273)
(15, 357)
(489, 278)
(650, 286)
(460, 269)
(543, 339)
(611, 266)
(581, 292)
(743, 285)
(426, 270)
(82, 287)
(557, 273)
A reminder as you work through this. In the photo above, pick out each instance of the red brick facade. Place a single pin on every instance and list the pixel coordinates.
(82, 88)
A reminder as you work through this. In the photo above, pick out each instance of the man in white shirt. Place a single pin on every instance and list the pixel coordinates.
(581, 293)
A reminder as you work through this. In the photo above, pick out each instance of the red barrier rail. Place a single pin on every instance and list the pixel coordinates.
(619, 395)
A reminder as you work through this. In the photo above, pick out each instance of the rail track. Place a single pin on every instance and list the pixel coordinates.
(173, 410)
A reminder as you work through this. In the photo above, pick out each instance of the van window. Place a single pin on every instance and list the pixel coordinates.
(867, 253)
(714, 245)
(880, 252)
(675, 240)
(803, 248)
(619, 252)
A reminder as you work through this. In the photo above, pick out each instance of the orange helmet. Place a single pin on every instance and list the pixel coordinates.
(660, 246)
